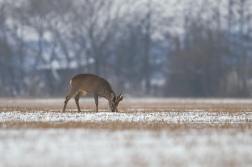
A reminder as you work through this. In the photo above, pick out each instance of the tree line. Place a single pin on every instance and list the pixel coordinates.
(144, 48)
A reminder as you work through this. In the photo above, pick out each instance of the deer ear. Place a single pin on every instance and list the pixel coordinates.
(120, 97)
(112, 96)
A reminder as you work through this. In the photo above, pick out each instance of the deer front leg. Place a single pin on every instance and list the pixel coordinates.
(71, 93)
(77, 97)
(96, 102)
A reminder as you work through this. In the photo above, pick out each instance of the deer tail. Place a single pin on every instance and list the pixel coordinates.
(70, 82)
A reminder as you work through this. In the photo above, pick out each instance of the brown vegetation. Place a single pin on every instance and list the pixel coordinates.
(134, 105)
(118, 125)
(129, 107)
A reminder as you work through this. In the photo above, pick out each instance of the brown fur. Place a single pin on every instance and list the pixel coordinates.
(92, 84)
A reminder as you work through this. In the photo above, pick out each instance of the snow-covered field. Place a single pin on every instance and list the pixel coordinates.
(191, 116)
(82, 147)
(146, 132)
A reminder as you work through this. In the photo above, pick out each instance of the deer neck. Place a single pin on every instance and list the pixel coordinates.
(108, 94)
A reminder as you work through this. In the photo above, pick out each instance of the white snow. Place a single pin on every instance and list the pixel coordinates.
(80, 147)
(193, 146)
(138, 116)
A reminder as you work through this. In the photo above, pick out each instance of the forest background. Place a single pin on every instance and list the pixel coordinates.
(153, 48)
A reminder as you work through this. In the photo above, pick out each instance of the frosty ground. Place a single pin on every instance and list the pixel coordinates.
(145, 132)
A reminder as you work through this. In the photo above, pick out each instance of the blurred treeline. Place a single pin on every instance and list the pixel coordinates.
(188, 48)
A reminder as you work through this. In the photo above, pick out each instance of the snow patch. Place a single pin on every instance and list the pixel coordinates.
(80, 147)
(167, 117)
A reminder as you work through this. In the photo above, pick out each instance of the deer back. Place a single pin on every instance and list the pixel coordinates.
(92, 84)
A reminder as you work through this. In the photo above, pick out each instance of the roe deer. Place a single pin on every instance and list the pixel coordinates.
(92, 84)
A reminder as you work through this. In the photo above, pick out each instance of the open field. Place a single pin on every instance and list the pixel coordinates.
(146, 132)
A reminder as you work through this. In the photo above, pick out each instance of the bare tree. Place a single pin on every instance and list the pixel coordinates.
(96, 20)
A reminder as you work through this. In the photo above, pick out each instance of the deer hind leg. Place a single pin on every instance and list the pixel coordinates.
(77, 97)
(71, 93)
(96, 102)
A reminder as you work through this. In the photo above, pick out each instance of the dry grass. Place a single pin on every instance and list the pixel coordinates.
(130, 107)
(117, 125)
(144, 133)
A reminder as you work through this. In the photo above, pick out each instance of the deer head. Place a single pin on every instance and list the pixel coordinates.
(114, 101)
